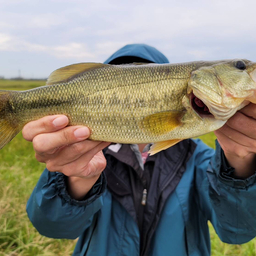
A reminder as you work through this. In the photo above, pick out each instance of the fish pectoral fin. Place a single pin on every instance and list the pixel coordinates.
(65, 73)
(162, 122)
(159, 146)
(159, 124)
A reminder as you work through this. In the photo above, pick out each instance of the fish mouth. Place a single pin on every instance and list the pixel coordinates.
(212, 109)
(199, 107)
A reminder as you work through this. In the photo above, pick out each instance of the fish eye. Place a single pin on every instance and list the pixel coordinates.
(240, 65)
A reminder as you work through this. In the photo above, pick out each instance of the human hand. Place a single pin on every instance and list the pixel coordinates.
(66, 149)
(238, 141)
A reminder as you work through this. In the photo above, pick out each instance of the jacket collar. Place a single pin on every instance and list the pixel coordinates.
(124, 154)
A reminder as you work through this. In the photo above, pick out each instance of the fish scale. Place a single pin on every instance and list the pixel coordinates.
(131, 103)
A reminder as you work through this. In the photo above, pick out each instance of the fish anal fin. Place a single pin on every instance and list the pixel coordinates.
(162, 145)
(162, 122)
(66, 73)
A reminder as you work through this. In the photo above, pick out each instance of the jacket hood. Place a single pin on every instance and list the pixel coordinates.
(141, 51)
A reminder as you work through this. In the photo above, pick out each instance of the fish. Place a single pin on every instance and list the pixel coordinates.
(136, 103)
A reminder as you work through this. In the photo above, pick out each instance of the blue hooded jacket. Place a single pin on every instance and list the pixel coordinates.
(191, 185)
(143, 51)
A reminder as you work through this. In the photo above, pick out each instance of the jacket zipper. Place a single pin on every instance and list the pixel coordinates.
(144, 196)
(144, 244)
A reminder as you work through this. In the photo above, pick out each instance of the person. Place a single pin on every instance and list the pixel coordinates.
(120, 201)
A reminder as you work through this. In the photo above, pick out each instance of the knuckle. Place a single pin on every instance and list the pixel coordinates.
(51, 166)
(67, 170)
(240, 152)
(39, 158)
(102, 164)
(38, 143)
(46, 124)
(236, 121)
(95, 168)
(25, 132)
(249, 110)
(66, 135)
(87, 170)
(77, 148)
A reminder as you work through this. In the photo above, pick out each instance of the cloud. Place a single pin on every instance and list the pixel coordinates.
(67, 51)
(4, 42)
(72, 51)
(70, 31)
(46, 21)
(14, 44)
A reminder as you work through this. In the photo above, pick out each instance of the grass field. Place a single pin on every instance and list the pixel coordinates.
(19, 172)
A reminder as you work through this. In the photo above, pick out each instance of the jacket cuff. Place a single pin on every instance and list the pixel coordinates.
(95, 192)
(226, 172)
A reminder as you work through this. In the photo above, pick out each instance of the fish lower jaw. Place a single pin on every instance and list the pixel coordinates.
(224, 113)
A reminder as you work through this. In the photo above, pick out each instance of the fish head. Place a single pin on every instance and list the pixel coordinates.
(221, 89)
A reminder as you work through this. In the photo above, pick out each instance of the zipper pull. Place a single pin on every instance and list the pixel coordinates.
(144, 197)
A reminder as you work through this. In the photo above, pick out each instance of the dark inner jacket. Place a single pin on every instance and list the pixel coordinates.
(162, 172)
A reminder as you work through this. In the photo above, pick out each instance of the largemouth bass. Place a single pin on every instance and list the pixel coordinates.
(138, 103)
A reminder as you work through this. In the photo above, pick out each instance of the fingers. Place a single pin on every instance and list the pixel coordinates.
(68, 153)
(98, 162)
(46, 143)
(234, 142)
(65, 148)
(89, 164)
(78, 186)
(238, 135)
(249, 110)
(243, 124)
(44, 125)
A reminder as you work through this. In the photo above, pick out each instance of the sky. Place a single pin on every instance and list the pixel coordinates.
(37, 37)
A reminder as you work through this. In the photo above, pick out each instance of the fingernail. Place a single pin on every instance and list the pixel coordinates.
(81, 133)
(60, 121)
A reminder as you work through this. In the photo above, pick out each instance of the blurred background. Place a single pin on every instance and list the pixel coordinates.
(37, 37)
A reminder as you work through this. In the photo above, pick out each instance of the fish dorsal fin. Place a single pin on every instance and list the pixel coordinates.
(162, 122)
(66, 73)
(159, 146)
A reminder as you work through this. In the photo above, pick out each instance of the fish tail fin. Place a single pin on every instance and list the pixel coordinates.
(9, 125)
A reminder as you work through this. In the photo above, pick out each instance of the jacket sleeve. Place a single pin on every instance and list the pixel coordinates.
(55, 214)
(231, 201)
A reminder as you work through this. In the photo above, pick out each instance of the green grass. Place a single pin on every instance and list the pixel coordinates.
(20, 84)
(19, 172)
